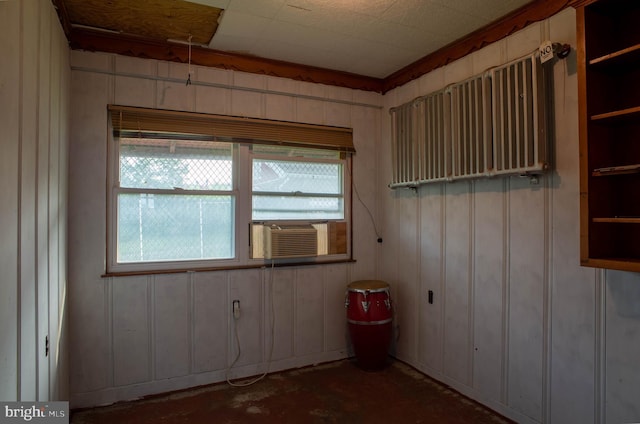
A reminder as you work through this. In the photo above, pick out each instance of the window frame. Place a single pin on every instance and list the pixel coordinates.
(342, 195)
(242, 192)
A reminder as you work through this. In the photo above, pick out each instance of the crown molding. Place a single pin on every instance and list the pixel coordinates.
(91, 40)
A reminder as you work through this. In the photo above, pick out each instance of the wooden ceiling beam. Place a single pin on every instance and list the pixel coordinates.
(85, 39)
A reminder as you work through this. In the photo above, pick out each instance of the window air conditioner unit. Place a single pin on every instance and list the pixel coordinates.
(291, 241)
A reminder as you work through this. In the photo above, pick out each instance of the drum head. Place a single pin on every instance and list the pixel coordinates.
(368, 285)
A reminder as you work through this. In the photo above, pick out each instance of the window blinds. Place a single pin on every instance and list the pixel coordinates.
(133, 122)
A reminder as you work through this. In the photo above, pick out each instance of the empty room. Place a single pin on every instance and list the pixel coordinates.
(320, 211)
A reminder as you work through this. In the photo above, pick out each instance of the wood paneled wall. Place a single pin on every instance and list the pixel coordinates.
(34, 107)
(516, 323)
(133, 336)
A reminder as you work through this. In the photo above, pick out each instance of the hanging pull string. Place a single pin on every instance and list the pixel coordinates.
(189, 73)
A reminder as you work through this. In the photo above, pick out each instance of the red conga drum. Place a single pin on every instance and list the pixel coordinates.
(369, 317)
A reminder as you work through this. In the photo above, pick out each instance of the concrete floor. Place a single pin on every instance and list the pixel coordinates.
(337, 392)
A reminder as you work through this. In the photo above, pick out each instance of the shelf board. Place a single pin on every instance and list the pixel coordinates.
(616, 170)
(623, 264)
(619, 220)
(623, 113)
(619, 57)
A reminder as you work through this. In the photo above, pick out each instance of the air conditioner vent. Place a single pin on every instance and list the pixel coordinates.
(290, 241)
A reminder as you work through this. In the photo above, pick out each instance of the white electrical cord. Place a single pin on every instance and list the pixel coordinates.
(355, 190)
(272, 325)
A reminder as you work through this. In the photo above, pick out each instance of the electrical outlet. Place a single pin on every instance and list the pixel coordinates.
(236, 309)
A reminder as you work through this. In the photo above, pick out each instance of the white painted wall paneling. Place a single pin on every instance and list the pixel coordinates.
(516, 322)
(10, 63)
(34, 114)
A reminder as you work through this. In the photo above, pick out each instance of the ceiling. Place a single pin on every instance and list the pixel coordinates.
(366, 39)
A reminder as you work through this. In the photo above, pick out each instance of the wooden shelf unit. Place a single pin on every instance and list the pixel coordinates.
(616, 170)
(619, 220)
(609, 109)
(621, 57)
(631, 113)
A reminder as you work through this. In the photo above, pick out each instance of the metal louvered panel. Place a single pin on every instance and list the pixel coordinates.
(436, 156)
(519, 124)
(471, 128)
(403, 134)
(290, 242)
(419, 149)
(491, 124)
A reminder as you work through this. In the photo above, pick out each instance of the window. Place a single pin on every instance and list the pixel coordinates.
(188, 199)
(174, 201)
(296, 184)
